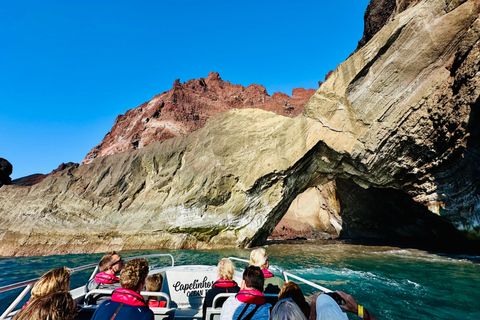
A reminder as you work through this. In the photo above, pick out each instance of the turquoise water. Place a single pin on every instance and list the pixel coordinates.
(392, 283)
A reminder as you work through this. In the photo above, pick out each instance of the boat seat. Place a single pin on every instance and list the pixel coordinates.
(89, 295)
(213, 312)
(165, 313)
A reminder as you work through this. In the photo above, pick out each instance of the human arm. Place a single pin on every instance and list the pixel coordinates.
(352, 306)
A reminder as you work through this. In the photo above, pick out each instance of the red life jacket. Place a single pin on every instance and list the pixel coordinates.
(103, 277)
(129, 297)
(222, 283)
(156, 304)
(251, 296)
(267, 274)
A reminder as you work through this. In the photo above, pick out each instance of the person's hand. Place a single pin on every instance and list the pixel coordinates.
(351, 304)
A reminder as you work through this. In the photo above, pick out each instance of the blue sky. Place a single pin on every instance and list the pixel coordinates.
(68, 68)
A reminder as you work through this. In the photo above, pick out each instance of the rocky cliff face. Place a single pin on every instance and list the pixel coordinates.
(186, 107)
(395, 128)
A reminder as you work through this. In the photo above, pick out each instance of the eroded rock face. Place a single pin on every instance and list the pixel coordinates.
(397, 120)
(186, 107)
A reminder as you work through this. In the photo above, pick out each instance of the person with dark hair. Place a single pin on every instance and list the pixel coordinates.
(249, 302)
(292, 290)
(224, 284)
(109, 266)
(51, 306)
(127, 303)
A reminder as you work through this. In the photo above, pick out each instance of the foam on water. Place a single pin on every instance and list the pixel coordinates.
(392, 283)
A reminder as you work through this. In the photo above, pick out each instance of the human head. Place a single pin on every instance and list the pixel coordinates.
(292, 290)
(54, 280)
(287, 309)
(253, 278)
(258, 258)
(53, 306)
(225, 269)
(134, 273)
(111, 262)
(328, 309)
(154, 282)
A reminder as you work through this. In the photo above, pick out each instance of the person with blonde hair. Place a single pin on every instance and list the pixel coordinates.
(259, 258)
(54, 280)
(109, 266)
(287, 309)
(126, 302)
(51, 306)
(154, 283)
(224, 284)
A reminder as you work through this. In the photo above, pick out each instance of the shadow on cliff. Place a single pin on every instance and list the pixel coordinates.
(380, 216)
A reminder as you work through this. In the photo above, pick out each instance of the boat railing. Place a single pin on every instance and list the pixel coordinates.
(154, 255)
(286, 276)
(143, 293)
(28, 284)
(319, 287)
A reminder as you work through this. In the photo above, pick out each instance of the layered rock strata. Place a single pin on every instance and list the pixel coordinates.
(186, 107)
(397, 121)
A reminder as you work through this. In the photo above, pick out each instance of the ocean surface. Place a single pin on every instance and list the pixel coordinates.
(392, 283)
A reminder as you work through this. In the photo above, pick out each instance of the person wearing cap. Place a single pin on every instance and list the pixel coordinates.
(109, 266)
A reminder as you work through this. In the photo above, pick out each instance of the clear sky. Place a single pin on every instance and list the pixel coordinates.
(68, 68)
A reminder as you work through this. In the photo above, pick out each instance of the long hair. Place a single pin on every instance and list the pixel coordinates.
(292, 290)
(52, 306)
(54, 280)
(225, 269)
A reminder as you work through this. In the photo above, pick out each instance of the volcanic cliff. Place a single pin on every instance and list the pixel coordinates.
(390, 141)
(186, 107)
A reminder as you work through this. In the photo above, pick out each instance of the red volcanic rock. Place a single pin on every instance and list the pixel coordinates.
(186, 107)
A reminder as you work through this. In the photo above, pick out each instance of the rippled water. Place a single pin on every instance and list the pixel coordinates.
(392, 283)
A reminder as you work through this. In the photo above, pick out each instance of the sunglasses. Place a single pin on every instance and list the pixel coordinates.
(118, 261)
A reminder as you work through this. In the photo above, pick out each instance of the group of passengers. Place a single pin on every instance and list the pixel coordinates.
(51, 299)
(251, 303)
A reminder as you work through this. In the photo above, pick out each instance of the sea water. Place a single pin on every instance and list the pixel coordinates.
(392, 283)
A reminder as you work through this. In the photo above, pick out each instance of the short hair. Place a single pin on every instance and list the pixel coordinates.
(53, 306)
(134, 273)
(292, 290)
(254, 277)
(287, 309)
(106, 261)
(258, 257)
(154, 282)
(225, 269)
(54, 280)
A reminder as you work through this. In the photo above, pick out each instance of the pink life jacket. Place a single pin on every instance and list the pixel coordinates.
(103, 277)
(267, 274)
(129, 297)
(251, 296)
(222, 283)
